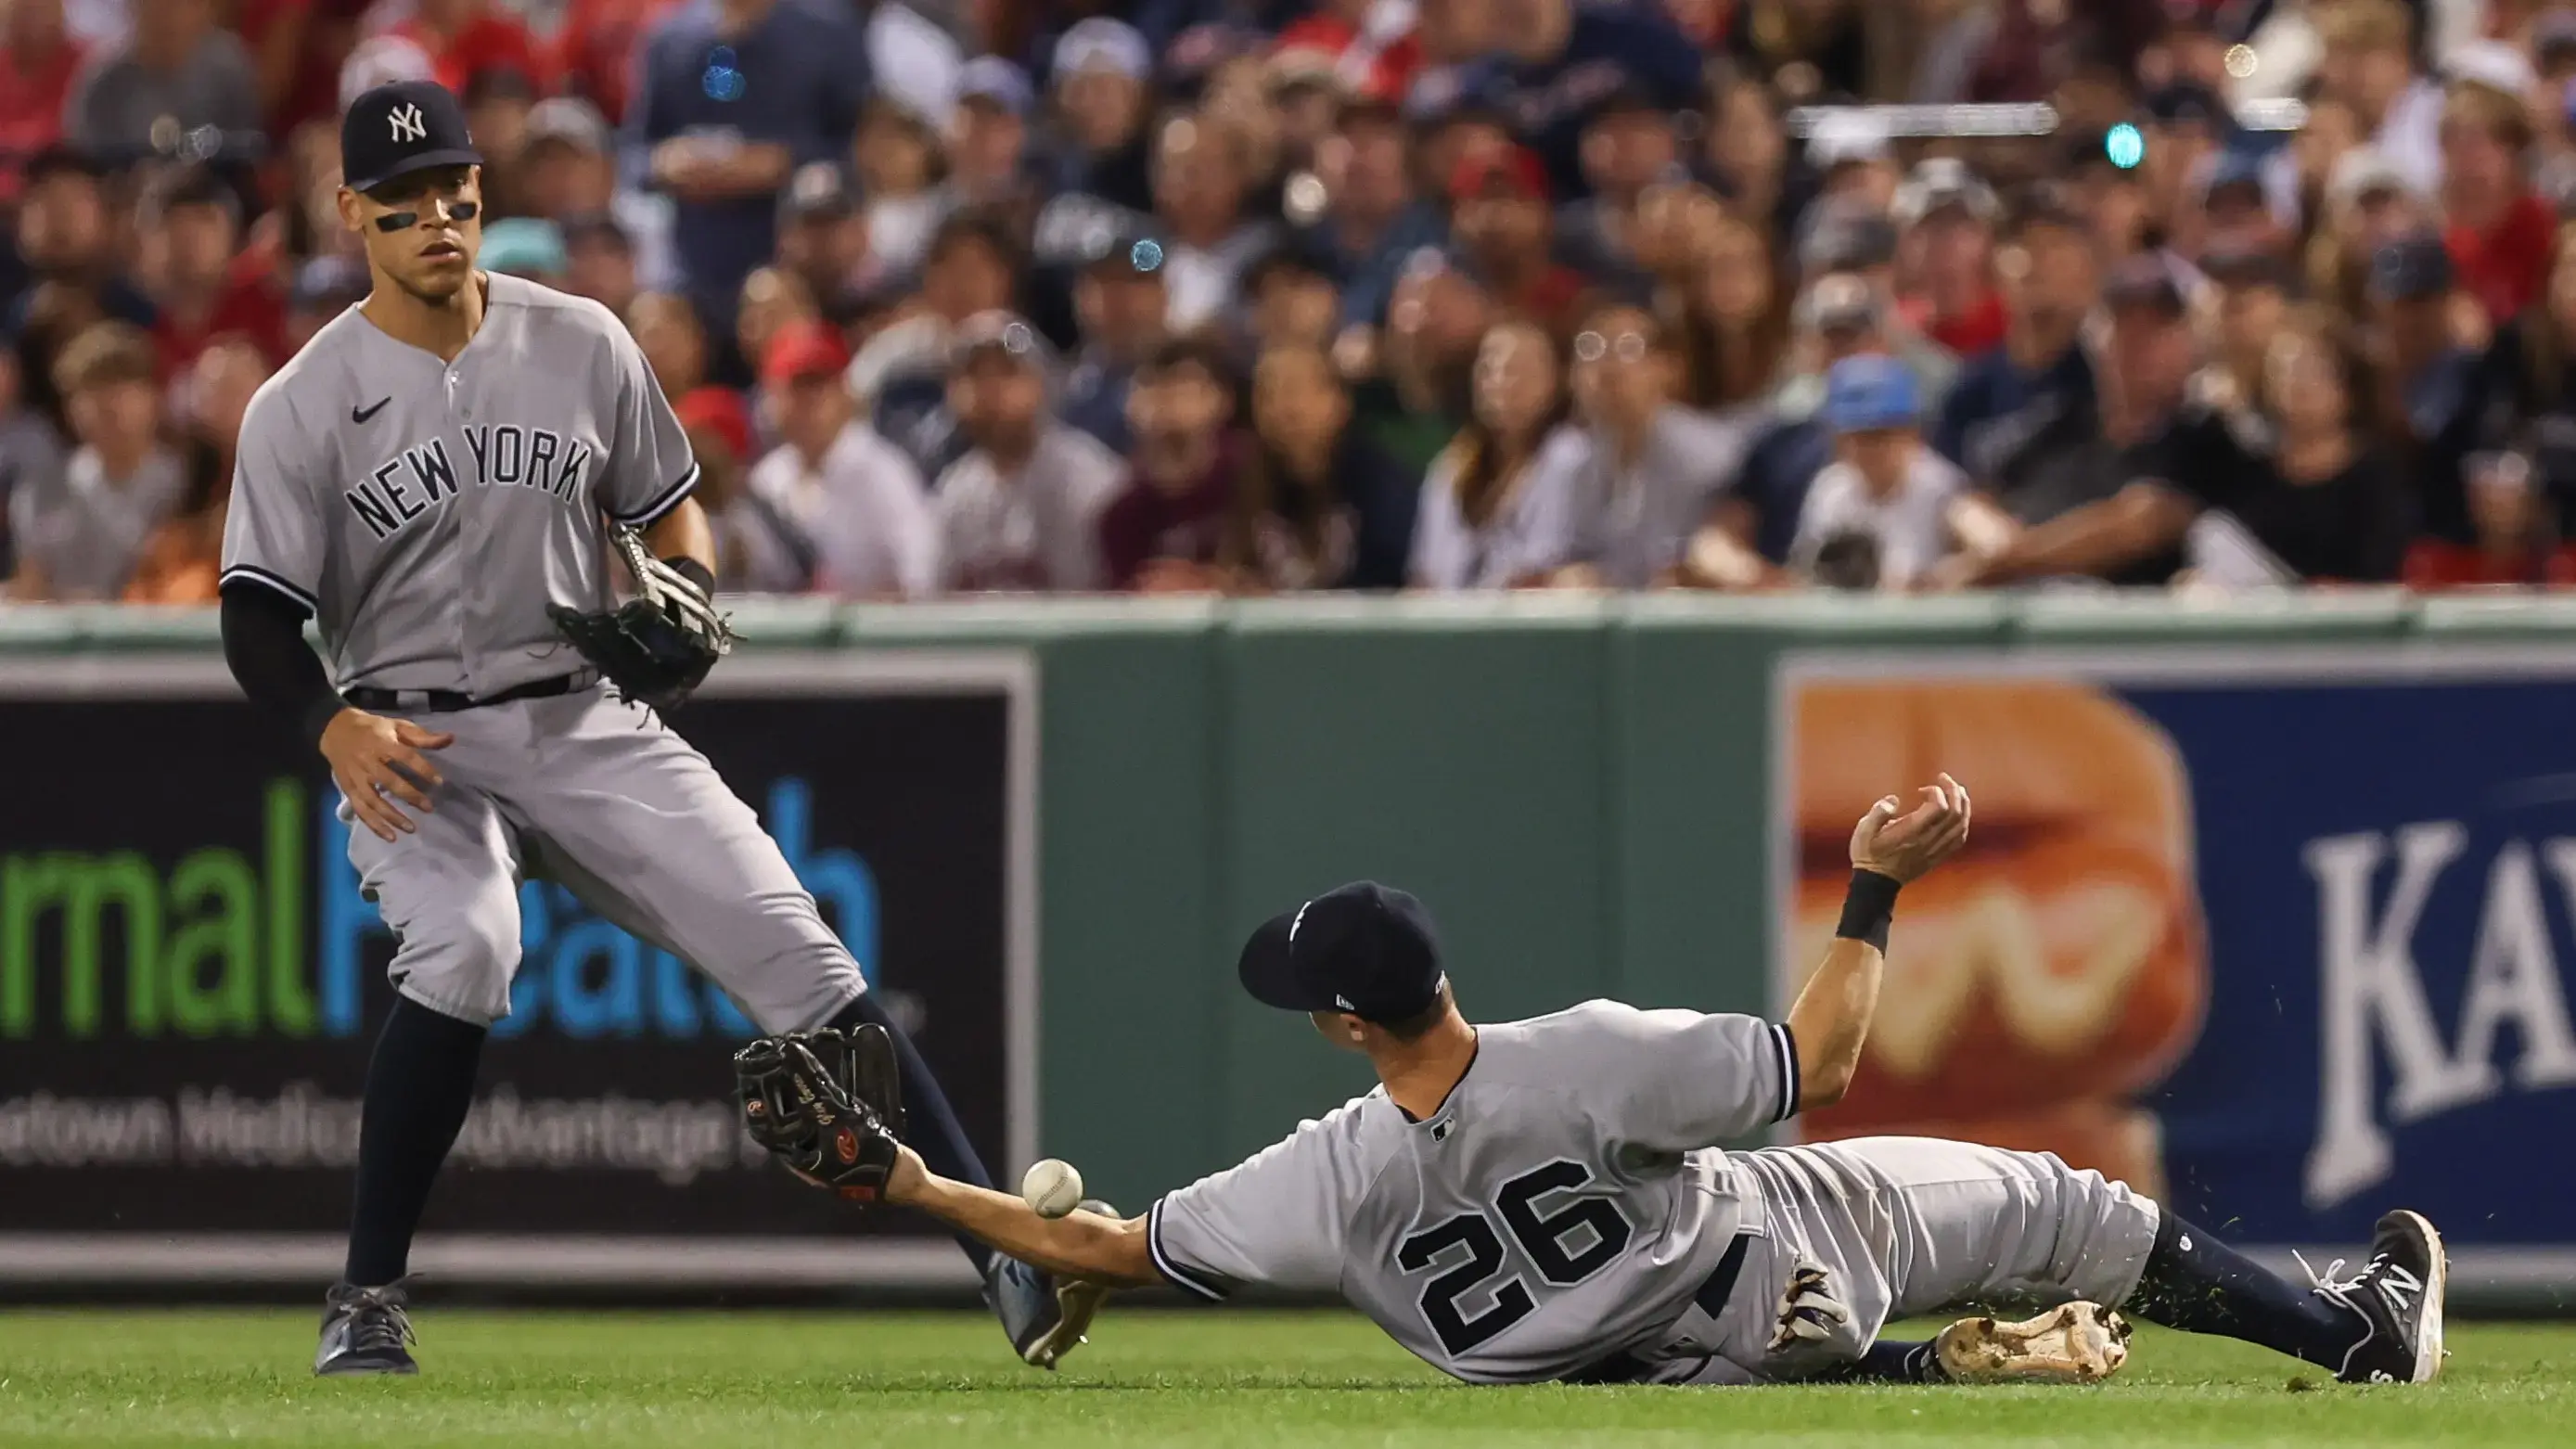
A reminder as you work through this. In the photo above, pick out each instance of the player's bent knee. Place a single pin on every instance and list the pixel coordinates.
(461, 967)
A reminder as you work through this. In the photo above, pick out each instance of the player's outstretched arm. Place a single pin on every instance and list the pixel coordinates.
(1077, 1245)
(1830, 1021)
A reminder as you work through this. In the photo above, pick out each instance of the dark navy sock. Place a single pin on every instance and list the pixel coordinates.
(420, 1084)
(2200, 1285)
(1895, 1361)
(930, 1124)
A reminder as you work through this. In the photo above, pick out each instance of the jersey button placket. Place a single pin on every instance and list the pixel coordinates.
(466, 542)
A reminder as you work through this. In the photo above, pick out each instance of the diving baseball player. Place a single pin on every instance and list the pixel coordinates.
(1545, 1199)
(437, 477)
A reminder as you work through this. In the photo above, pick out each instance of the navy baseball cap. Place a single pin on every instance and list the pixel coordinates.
(1871, 391)
(2411, 268)
(1362, 948)
(394, 130)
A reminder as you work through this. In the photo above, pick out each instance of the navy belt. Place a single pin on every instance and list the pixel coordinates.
(1711, 1296)
(445, 701)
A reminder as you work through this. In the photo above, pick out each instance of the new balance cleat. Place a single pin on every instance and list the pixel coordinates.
(2398, 1293)
(2073, 1343)
(365, 1331)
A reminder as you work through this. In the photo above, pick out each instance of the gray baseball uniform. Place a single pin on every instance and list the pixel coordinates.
(427, 512)
(1566, 1213)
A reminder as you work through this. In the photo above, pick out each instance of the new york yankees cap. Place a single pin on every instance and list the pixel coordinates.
(1362, 948)
(400, 128)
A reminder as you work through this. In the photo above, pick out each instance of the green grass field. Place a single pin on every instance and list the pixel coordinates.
(851, 1381)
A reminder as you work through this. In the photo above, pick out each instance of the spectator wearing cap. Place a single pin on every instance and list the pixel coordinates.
(1164, 531)
(1320, 505)
(1292, 298)
(600, 262)
(2525, 458)
(1505, 228)
(989, 165)
(823, 232)
(895, 157)
(855, 495)
(731, 98)
(2238, 202)
(1628, 145)
(1306, 95)
(1504, 505)
(1373, 51)
(1887, 508)
(522, 246)
(2111, 198)
(78, 536)
(1418, 397)
(176, 65)
(2368, 63)
(1208, 237)
(64, 237)
(497, 100)
(1853, 162)
(471, 41)
(2368, 203)
(758, 551)
(1373, 217)
(1124, 313)
(2012, 393)
(1020, 509)
(39, 60)
(1654, 468)
(189, 232)
(568, 170)
(324, 288)
(2114, 499)
(2430, 402)
(2251, 291)
(1099, 74)
(1841, 316)
(1560, 62)
(902, 375)
(1945, 218)
(2183, 124)
(2498, 231)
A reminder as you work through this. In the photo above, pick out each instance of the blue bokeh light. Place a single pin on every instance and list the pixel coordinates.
(2125, 146)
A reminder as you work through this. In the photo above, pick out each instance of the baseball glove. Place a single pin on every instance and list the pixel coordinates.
(828, 1104)
(658, 646)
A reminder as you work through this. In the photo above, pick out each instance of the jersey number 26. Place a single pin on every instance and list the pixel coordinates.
(1543, 1240)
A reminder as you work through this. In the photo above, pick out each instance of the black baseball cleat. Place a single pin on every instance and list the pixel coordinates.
(364, 1331)
(2398, 1294)
(1024, 1299)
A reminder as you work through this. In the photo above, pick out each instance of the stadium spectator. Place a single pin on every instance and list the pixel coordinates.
(1503, 505)
(902, 374)
(2368, 65)
(1372, 220)
(176, 74)
(1020, 511)
(823, 232)
(1164, 531)
(989, 164)
(2051, 275)
(2369, 203)
(600, 262)
(1124, 308)
(1653, 468)
(1208, 241)
(1629, 144)
(855, 495)
(201, 287)
(498, 100)
(179, 561)
(2498, 232)
(2250, 292)
(324, 288)
(1419, 399)
(78, 536)
(32, 452)
(732, 96)
(758, 551)
(38, 62)
(1561, 62)
(1505, 228)
(65, 237)
(1945, 218)
(595, 51)
(1731, 323)
(1841, 316)
(895, 157)
(568, 171)
(667, 330)
(1320, 505)
(1853, 162)
(1749, 159)
(2112, 199)
(522, 246)
(472, 45)
(772, 299)
(2429, 407)
(1099, 73)
(1292, 298)
(1888, 508)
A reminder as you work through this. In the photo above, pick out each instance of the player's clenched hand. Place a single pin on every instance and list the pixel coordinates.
(375, 761)
(1904, 846)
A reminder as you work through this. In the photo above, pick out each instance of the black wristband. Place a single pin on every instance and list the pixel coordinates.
(1869, 904)
(695, 572)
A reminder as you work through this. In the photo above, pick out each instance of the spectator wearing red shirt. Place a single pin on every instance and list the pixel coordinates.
(1505, 226)
(201, 290)
(594, 53)
(2497, 231)
(38, 59)
(1947, 221)
(467, 37)
(1164, 532)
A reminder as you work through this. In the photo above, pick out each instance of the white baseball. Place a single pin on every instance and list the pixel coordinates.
(1052, 1188)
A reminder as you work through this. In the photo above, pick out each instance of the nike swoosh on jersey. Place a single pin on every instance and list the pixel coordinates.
(360, 415)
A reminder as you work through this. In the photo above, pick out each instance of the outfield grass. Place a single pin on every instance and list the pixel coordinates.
(787, 1381)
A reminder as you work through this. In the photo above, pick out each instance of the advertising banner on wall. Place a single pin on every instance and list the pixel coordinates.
(190, 984)
(2276, 935)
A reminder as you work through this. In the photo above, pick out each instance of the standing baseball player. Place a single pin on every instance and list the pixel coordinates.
(438, 477)
(1545, 1200)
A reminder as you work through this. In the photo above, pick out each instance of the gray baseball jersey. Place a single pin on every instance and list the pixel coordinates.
(1563, 1205)
(428, 511)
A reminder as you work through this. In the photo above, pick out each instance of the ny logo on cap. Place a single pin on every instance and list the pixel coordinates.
(408, 123)
(1344, 1002)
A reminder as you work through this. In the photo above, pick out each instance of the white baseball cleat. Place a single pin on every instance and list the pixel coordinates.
(1076, 1302)
(2073, 1343)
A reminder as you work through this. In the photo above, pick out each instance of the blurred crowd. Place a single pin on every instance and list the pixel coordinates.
(1254, 296)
